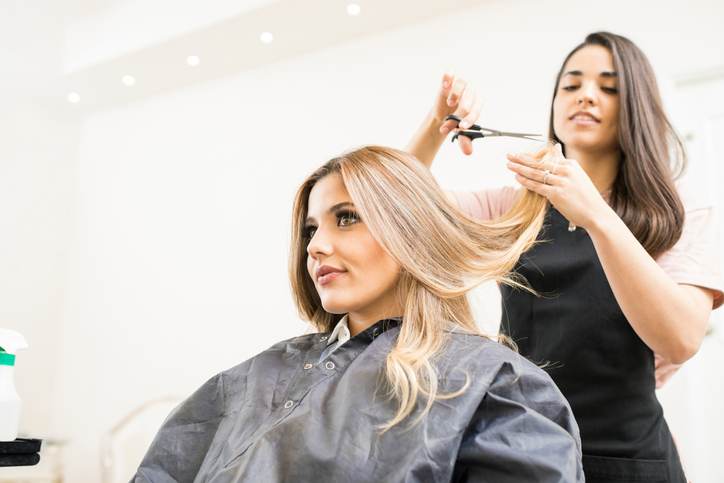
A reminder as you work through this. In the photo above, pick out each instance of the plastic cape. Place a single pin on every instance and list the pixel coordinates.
(288, 416)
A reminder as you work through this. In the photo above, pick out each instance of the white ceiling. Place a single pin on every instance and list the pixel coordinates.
(87, 46)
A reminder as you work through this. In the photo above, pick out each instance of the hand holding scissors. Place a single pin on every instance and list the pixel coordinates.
(474, 132)
(456, 97)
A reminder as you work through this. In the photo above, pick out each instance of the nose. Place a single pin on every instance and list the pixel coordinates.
(586, 95)
(320, 245)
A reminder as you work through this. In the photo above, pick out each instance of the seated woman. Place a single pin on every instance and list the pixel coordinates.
(399, 384)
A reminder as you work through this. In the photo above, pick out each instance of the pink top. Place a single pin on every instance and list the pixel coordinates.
(693, 260)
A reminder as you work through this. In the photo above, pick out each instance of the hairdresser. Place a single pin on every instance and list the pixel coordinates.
(625, 267)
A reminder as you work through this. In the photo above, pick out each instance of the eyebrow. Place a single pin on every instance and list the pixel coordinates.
(605, 73)
(333, 209)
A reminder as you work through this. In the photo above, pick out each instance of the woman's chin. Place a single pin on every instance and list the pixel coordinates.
(334, 307)
(585, 141)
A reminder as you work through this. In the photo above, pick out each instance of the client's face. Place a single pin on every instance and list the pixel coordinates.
(351, 271)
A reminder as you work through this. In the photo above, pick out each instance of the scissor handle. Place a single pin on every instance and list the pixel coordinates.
(453, 117)
(473, 132)
(468, 134)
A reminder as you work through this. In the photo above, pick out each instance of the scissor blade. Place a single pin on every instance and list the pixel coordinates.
(518, 134)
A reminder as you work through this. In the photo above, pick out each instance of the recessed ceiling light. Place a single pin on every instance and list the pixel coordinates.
(128, 80)
(266, 37)
(193, 60)
(74, 98)
(353, 9)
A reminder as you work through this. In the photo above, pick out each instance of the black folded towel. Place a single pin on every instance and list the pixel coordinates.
(19, 459)
(21, 452)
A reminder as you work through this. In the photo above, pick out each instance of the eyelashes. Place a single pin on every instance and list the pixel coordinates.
(308, 232)
(609, 90)
(345, 218)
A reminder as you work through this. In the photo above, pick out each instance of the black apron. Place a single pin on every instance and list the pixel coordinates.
(577, 332)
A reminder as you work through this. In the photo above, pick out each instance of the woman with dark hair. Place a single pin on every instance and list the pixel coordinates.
(626, 268)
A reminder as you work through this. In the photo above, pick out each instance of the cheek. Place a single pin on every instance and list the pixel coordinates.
(374, 265)
(387, 271)
(559, 117)
(310, 267)
(613, 113)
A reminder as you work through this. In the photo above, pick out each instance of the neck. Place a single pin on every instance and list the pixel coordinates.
(601, 166)
(359, 321)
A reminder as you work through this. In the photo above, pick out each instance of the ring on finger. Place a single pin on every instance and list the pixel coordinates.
(546, 173)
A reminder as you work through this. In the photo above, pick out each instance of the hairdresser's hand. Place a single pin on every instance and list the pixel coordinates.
(664, 370)
(456, 97)
(563, 181)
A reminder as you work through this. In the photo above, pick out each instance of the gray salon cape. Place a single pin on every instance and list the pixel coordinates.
(295, 414)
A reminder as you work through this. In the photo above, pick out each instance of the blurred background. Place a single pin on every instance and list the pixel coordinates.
(150, 150)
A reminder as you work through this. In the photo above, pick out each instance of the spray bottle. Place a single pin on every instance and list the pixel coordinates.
(10, 343)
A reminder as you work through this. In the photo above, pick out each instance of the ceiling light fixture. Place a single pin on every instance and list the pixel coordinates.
(266, 37)
(74, 98)
(193, 60)
(353, 9)
(128, 80)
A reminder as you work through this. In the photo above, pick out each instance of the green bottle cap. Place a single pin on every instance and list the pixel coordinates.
(6, 359)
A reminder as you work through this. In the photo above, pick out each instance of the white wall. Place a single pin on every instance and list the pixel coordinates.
(37, 174)
(176, 266)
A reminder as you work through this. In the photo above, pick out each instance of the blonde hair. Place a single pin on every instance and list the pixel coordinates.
(443, 254)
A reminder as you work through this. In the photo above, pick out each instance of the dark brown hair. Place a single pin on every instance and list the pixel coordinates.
(652, 155)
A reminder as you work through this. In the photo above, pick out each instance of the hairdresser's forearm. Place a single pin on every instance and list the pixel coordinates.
(426, 141)
(670, 318)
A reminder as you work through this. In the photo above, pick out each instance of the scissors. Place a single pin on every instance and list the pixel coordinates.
(475, 132)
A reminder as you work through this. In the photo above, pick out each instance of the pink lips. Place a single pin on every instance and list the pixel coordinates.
(326, 274)
(584, 118)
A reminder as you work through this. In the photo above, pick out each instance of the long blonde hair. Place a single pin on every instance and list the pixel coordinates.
(443, 254)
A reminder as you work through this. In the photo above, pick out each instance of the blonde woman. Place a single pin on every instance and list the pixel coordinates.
(398, 385)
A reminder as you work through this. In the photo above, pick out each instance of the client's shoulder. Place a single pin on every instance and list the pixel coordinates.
(490, 360)
(278, 354)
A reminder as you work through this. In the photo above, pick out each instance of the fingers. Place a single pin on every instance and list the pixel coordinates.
(540, 188)
(469, 108)
(462, 101)
(474, 114)
(555, 166)
(466, 145)
(456, 92)
(543, 176)
(448, 126)
(448, 80)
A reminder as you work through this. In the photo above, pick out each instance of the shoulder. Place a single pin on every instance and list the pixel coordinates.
(695, 257)
(486, 204)
(513, 388)
(495, 364)
(231, 383)
(278, 353)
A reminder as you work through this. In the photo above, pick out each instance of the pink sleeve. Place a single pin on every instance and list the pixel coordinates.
(694, 259)
(487, 204)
